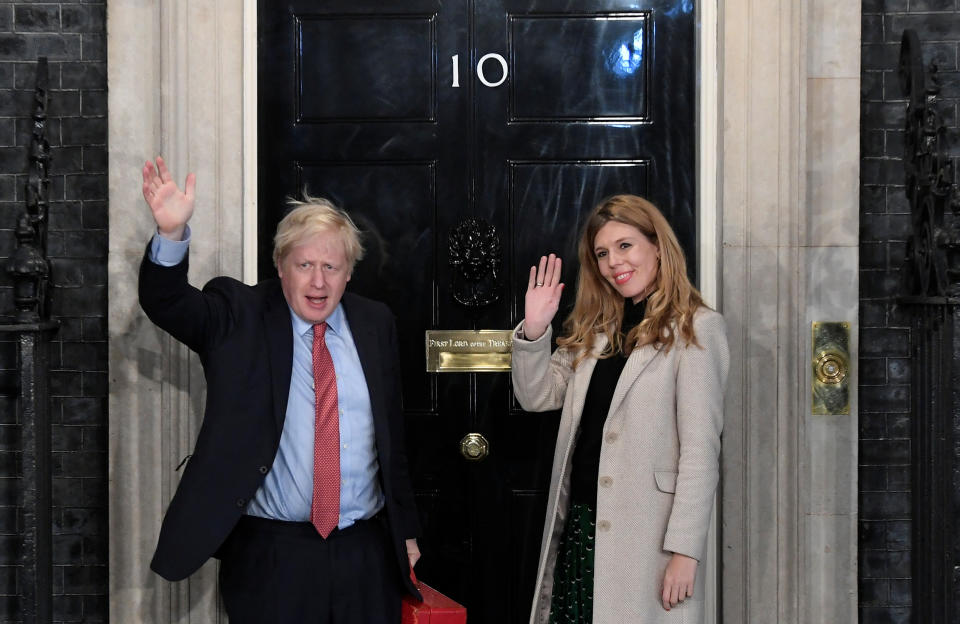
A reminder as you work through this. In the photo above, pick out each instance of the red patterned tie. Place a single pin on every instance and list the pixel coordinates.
(325, 510)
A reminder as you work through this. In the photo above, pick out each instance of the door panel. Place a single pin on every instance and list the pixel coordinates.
(357, 104)
(616, 76)
(364, 46)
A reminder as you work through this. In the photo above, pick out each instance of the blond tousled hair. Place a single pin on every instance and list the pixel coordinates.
(314, 215)
(599, 307)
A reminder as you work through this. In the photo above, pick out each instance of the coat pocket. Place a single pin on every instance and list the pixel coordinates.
(666, 481)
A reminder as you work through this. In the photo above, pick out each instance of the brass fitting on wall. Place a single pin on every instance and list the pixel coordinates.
(831, 368)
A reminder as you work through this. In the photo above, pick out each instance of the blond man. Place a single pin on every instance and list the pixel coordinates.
(298, 481)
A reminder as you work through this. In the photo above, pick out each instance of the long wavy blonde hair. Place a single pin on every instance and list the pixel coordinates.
(599, 307)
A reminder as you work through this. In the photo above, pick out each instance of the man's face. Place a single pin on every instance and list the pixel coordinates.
(313, 275)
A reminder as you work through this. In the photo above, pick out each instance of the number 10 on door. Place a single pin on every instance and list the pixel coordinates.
(480, 64)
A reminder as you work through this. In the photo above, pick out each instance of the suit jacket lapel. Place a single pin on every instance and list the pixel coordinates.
(636, 363)
(365, 339)
(279, 331)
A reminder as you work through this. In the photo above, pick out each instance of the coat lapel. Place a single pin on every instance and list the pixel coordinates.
(636, 363)
(581, 380)
(365, 339)
(279, 331)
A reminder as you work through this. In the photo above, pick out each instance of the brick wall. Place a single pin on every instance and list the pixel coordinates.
(73, 37)
(885, 527)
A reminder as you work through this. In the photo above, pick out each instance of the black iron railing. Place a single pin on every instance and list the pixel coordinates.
(932, 299)
(31, 328)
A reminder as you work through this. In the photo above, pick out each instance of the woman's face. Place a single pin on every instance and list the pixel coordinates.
(626, 259)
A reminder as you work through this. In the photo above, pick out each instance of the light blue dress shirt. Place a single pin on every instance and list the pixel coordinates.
(287, 490)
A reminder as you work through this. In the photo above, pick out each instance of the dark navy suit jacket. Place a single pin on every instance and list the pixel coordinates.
(244, 337)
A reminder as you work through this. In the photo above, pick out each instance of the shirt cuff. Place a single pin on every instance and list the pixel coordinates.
(168, 253)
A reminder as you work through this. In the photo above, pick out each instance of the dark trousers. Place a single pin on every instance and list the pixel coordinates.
(275, 572)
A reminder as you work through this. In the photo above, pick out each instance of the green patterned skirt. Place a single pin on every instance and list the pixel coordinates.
(573, 575)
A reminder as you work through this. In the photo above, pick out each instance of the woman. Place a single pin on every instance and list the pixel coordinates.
(639, 373)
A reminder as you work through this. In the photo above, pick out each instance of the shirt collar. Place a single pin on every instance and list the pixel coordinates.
(334, 321)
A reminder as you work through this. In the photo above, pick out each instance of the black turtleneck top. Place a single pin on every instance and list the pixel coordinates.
(603, 382)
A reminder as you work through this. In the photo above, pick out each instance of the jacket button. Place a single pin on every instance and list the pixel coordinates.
(603, 525)
(241, 502)
(606, 482)
(264, 470)
(612, 437)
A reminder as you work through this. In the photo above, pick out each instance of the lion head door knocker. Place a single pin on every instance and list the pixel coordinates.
(475, 261)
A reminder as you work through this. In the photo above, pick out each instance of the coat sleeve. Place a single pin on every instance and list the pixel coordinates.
(539, 379)
(701, 379)
(196, 318)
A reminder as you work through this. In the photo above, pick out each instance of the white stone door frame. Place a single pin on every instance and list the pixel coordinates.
(175, 77)
(790, 102)
(778, 151)
(708, 232)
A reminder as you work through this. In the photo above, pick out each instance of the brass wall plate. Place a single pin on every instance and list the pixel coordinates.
(469, 350)
(830, 380)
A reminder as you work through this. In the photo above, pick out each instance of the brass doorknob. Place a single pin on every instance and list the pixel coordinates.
(474, 447)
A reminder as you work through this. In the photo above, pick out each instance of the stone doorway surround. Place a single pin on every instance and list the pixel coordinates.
(790, 102)
(779, 174)
(175, 76)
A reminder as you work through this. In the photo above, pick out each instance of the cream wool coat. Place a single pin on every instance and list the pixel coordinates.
(658, 466)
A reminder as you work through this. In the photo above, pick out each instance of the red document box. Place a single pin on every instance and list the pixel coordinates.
(435, 608)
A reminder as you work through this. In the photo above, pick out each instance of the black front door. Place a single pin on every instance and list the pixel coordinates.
(415, 116)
